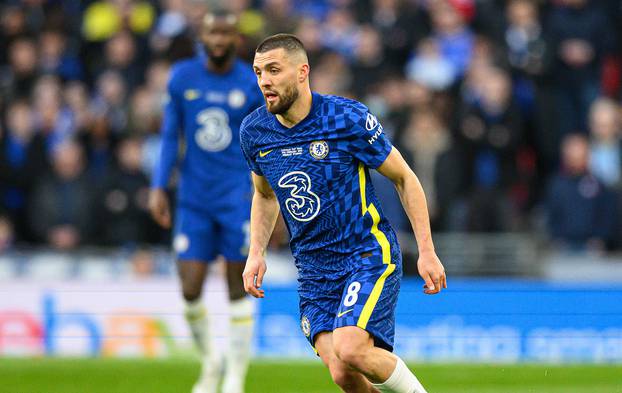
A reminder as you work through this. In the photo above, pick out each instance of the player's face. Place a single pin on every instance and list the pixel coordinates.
(219, 37)
(277, 79)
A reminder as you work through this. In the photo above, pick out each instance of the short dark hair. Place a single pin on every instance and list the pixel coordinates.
(289, 42)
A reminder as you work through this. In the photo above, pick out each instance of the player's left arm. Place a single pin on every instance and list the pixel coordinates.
(159, 205)
(413, 200)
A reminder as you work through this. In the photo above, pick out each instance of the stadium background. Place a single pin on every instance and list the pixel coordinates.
(509, 112)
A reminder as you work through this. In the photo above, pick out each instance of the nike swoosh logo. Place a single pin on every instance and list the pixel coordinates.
(341, 314)
(264, 153)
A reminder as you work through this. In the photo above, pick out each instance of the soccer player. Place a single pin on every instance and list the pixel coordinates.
(311, 155)
(208, 98)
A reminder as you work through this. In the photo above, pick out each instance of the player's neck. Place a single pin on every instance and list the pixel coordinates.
(222, 68)
(298, 111)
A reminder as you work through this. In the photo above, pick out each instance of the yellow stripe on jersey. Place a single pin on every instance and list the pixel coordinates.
(385, 246)
(370, 304)
(375, 216)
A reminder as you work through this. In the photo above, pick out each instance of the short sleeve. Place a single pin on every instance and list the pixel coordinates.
(169, 130)
(245, 144)
(367, 141)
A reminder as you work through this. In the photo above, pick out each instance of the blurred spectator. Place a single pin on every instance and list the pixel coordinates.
(488, 206)
(581, 36)
(99, 143)
(490, 130)
(61, 207)
(121, 57)
(316, 9)
(171, 22)
(529, 56)
(429, 68)
(55, 58)
(109, 102)
(451, 31)
(390, 103)
(524, 39)
(194, 12)
(606, 147)
(172, 36)
(279, 17)
(310, 33)
(144, 112)
(428, 147)
(53, 119)
(340, 32)
(583, 213)
(368, 63)
(491, 126)
(332, 75)
(76, 96)
(400, 23)
(17, 80)
(122, 199)
(526, 51)
(22, 161)
(12, 25)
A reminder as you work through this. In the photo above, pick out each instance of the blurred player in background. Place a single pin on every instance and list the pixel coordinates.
(310, 154)
(209, 97)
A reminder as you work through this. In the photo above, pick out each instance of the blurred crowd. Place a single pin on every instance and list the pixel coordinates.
(508, 111)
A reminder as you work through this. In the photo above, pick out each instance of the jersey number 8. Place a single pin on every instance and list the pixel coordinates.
(352, 295)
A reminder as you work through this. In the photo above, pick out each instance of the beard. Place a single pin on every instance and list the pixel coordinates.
(219, 61)
(289, 96)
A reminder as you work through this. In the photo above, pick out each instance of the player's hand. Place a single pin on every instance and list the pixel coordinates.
(159, 207)
(432, 271)
(253, 275)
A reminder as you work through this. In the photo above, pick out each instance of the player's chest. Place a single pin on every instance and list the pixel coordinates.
(319, 162)
(210, 100)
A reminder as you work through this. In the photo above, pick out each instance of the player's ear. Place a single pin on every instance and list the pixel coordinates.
(303, 73)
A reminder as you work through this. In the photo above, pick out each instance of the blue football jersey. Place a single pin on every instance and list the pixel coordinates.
(318, 170)
(207, 108)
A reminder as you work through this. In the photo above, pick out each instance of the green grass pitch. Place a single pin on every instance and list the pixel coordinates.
(44, 375)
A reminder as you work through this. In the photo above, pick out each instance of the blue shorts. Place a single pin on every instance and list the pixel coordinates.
(203, 234)
(366, 298)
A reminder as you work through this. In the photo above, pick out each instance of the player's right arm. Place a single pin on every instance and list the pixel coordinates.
(159, 205)
(413, 200)
(264, 212)
(370, 145)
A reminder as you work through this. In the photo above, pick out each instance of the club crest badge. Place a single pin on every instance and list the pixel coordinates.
(305, 325)
(236, 98)
(318, 149)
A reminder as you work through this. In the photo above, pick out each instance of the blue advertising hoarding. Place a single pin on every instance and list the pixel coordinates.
(483, 320)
